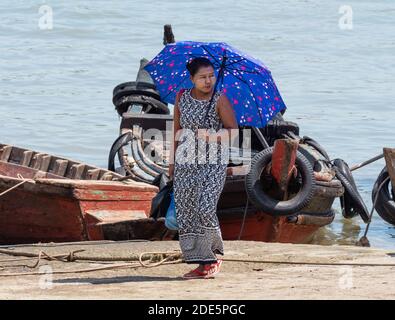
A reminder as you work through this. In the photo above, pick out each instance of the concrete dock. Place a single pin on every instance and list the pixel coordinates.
(237, 280)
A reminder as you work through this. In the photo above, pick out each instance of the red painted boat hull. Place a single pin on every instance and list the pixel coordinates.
(50, 208)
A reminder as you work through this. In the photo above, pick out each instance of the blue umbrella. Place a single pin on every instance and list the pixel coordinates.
(246, 81)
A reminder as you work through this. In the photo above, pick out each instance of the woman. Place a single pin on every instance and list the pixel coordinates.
(198, 177)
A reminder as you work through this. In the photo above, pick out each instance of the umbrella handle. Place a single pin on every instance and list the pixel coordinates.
(220, 75)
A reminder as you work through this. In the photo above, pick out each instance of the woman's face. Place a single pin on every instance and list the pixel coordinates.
(204, 79)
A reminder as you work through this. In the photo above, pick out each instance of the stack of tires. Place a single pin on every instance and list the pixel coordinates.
(141, 97)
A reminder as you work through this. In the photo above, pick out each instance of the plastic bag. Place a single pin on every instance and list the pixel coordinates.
(161, 201)
(171, 217)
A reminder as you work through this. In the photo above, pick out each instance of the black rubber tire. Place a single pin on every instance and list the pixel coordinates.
(312, 143)
(385, 205)
(149, 162)
(133, 87)
(275, 129)
(351, 202)
(116, 146)
(124, 102)
(346, 201)
(272, 206)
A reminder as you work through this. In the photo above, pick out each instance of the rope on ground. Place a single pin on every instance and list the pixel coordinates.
(357, 264)
(113, 266)
(69, 257)
(16, 260)
(72, 256)
(156, 259)
(173, 256)
(160, 257)
(62, 258)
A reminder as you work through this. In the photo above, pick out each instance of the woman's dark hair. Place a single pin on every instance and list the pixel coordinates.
(194, 65)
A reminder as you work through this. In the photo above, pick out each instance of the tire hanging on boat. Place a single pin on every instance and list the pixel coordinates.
(265, 202)
(121, 141)
(351, 202)
(144, 168)
(312, 143)
(385, 205)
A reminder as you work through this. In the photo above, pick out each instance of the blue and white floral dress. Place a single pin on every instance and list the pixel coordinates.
(199, 178)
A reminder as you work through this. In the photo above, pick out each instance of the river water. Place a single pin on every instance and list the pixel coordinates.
(335, 73)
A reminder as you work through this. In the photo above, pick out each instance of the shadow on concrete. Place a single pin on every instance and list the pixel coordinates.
(117, 279)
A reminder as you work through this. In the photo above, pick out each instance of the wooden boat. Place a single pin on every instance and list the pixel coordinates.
(145, 159)
(56, 199)
(47, 198)
(236, 220)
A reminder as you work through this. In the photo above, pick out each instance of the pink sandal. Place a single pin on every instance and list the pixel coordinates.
(208, 272)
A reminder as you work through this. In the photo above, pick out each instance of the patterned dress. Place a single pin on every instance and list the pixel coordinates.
(199, 178)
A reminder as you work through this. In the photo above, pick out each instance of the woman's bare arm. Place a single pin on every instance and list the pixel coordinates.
(176, 127)
(227, 116)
